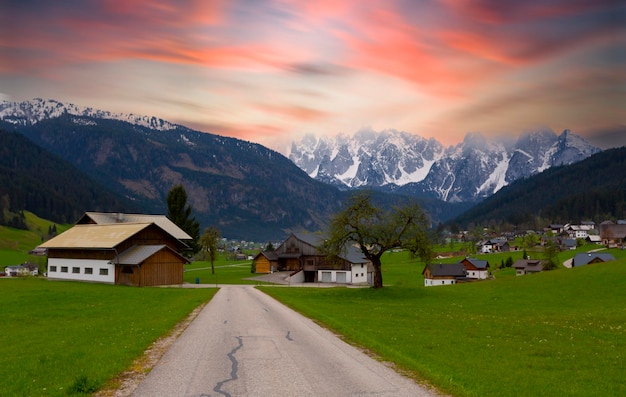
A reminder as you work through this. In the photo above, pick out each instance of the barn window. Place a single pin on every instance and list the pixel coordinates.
(76, 270)
(127, 269)
(53, 268)
(104, 272)
(89, 270)
(63, 269)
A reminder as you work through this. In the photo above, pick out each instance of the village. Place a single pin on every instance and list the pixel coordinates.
(149, 250)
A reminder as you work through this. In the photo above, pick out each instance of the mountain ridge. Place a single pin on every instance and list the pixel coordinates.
(470, 171)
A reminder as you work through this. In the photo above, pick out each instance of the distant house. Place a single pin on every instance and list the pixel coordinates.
(527, 266)
(137, 254)
(299, 253)
(494, 245)
(594, 239)
(475, 268)
(21, 270)
(613, 235)
(568, 244)
(265, 262)
(443, 274)
(587, 258)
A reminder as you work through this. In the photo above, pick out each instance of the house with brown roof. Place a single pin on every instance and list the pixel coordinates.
(299, 253)
(138, 254)
(527, 266)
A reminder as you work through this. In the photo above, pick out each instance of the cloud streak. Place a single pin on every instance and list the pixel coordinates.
(260, 70)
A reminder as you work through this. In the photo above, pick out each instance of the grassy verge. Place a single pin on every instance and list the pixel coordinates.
(551, 334)
(64, 338)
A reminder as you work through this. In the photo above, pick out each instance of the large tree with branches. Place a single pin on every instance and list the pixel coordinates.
(375, 231)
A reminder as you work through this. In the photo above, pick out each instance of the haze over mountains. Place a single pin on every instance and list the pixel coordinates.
(251, 192)
(468, 172)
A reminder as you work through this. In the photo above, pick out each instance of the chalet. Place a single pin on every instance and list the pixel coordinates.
(494, 245)
(579, 231)
(567, 244)
(613, 234)
(443, 274)
(21, 270)
(588, 258)
(299, 254)
(137, 254)
(527, 266)
(475, 268)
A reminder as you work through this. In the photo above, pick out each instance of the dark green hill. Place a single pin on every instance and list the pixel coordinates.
(594, 188)
(247, 190)
(33, 179)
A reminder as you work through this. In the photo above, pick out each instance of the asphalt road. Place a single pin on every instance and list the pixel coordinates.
(245, 343)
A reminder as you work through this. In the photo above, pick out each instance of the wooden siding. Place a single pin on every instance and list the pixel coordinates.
(100, 254)
(162, 268)
(293, 245)
(262, 265)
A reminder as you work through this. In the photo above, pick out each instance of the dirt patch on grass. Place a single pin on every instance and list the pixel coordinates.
(125, 383)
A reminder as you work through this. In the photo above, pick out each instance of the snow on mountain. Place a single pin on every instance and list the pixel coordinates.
(472, 170)
(31, 112)
(368, 158)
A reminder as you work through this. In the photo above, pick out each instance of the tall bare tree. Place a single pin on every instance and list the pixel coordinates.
(209, 244)
(375, 231)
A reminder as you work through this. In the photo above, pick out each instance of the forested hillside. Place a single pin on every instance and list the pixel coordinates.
(594, 189)
(33, 179)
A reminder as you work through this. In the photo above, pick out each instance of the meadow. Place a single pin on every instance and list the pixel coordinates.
(69, 338)
(555, 333)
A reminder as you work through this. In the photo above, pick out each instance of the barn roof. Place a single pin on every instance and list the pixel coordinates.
(451, 269)
(105, 218)
(584, 258)
(95, 236)
(137, 254)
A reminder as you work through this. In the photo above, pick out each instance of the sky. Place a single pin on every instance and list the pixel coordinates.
(272, 71)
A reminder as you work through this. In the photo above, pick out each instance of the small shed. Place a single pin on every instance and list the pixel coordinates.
(265, 262)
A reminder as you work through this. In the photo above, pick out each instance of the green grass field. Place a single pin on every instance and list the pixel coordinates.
(64, 337)
(558, 333)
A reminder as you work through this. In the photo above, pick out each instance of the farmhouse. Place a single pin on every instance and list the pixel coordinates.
(587, 258)
(475, 268)
(21, 270)
(494, 245)
(527, 266)
(138, 254)
(443, 274)
(613, 234)
(299, 254)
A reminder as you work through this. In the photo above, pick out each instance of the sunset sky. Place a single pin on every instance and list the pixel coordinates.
(272, 71)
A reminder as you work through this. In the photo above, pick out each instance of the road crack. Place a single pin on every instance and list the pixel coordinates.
(233, 371)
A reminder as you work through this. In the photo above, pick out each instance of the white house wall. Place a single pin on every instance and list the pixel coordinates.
(330, 276)
(429, 282)
(76, 269)
(359, 274)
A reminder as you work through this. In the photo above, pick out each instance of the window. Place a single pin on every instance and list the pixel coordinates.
(63, 269)
(76, 270)
(53, 268)
(89, 270)
(104, 272)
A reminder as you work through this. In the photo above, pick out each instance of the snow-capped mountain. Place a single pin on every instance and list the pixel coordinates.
(474, 169)
(32, 112)
(368, 158)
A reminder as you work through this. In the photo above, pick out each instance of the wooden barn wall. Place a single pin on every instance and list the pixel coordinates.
(262, 265)
(99, 254)
(293, 245)
(150, 236)
(162, 268)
